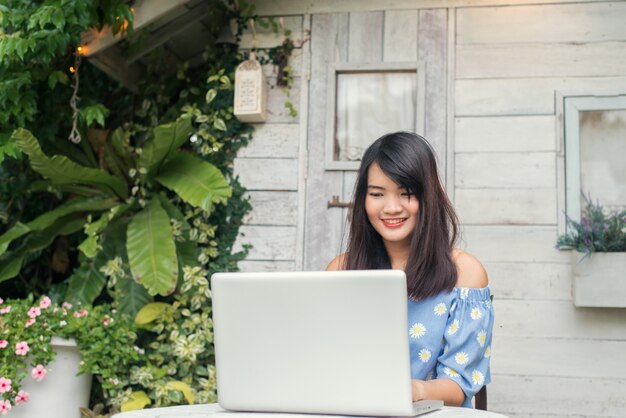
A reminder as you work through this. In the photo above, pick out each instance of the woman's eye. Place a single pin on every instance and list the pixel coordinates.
(375, 194)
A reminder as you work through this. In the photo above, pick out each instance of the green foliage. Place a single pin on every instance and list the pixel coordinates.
(597, 231)
(147, 163)
(35, 38)
(105, 338)
(149, 245)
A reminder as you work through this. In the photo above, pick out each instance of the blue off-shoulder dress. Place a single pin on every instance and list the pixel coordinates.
(450, 337)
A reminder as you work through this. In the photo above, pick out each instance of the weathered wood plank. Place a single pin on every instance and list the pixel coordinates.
(273, 140)
(541, 60)
(322, 233)
(276, 98)
(506, 206)
(289, 7)
(532, 281)
(366, 37)
(433, 59)
(500, 170)
(591, 22)
(524, 96)
(505, 134)
(527, 244)
(400, 37)
(269, 243)
(557, 357)
(535, 396)
(558, 320)
(261, 266)
(266, 37)
(272, 208)
(267, 173)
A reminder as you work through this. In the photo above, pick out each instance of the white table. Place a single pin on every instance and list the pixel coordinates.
(214, 411)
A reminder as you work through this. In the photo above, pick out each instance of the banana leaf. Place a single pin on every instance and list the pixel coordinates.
(197, 182)
(186, 251)
(47, 186)
(133, 297)
(11, 262)
(61, 170)
(87, 281)
(48, 218)
(151, 250)
(165, 140)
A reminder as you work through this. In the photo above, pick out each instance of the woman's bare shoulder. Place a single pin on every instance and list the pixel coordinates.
(338, 263)
(471, 272)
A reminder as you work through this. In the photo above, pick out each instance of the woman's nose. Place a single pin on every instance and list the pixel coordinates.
(392, 205)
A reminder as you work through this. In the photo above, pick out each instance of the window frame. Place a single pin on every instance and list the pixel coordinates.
(331, 104)
(568, 152)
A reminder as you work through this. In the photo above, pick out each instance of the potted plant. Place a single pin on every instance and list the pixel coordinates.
(42, 342)
(599, 256)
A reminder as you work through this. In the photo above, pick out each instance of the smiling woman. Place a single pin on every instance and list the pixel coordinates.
(402, 219)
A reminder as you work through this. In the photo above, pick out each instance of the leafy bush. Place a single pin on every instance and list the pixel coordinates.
(105, 338)
(597, 231)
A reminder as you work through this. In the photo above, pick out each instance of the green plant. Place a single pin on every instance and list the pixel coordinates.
(597, 231)
(105, 338)
(125, 210)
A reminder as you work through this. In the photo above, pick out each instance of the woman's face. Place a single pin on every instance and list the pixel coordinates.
(391, 209)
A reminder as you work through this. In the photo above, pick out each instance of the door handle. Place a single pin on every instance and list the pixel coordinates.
(335, 203)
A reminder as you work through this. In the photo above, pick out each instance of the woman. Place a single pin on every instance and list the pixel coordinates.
(402, 219)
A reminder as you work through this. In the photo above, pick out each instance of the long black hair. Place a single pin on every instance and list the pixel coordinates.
(409, 160)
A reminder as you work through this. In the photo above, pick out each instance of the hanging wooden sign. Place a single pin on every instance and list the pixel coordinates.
(250, 91)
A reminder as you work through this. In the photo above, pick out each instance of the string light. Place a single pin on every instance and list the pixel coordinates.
(79, 49)
(72, 70)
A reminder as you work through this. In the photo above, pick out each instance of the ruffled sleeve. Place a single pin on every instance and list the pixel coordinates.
(467, 341)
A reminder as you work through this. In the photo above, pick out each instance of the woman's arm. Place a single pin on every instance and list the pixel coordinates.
(443, 389)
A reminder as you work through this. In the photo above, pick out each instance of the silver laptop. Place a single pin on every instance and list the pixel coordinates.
(314, 342)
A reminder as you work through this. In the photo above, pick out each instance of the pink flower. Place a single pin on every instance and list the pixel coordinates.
(22, 397)
(66, 305)
(6, 309)
(106, 321)
(30, 322)
(45, 302)
(1, 301)
(34, 312)
(82, 312)
(5, 385)
(5, 407)
(3, 343)
(21, 348)
(39, 372)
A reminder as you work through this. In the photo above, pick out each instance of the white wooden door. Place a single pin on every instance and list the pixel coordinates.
(418, 36)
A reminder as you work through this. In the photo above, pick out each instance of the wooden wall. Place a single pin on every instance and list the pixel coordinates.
(549, 358)
(508, 61)
(269, 166)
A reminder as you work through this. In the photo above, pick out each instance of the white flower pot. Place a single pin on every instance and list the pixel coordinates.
(599, 280)
(61, 393)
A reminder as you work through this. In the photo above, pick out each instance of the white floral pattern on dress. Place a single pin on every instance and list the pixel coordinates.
(478, 378)
(461, 358)
(440, 309)
(476, 314)
(417, 330)
(451, 337)
(454, 327)
(482, 337)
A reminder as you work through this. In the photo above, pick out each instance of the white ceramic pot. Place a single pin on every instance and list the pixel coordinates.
(599, 280)
(61, 393)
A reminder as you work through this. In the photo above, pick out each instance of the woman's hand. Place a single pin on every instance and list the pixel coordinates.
(419, 390)
(444, 389)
